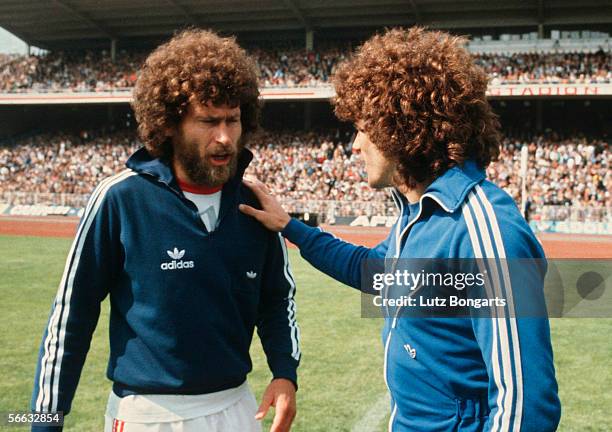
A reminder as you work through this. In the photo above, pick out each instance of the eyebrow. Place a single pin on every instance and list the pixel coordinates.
(217, 118)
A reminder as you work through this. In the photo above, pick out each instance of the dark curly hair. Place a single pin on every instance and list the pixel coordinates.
(195, 65)
(422, 101)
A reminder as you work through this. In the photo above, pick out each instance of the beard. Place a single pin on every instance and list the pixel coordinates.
(201, 172)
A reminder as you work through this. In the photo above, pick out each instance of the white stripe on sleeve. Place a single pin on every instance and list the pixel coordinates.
(494, 345)
(52, 359)
(291, 307)
(499, 244)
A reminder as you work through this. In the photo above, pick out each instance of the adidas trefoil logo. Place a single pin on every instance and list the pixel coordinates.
(251, 274)
(175, 264)
(176, 254)
(411, 351)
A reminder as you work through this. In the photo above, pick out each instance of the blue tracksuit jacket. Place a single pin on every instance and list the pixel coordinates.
(455, 374)
(184, 301)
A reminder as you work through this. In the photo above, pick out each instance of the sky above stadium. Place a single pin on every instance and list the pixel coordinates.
(10, 43)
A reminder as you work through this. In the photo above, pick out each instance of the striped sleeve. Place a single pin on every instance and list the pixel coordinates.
(336, 258)
(276, 323)
(89, 269)
(516, 350)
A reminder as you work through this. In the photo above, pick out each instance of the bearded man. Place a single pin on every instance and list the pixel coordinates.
(188, 275)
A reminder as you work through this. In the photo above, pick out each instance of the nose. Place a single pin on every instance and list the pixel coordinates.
(222, 135)
(356, 148)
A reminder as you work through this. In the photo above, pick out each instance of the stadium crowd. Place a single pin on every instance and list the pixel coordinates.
(566, 173)
(62, 162)
(58, 71)
(284, 67)
(310, 170)
(552, 68)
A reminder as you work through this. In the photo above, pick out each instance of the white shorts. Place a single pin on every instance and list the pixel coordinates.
(228, 410)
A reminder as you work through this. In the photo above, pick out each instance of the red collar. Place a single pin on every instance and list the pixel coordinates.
(197, 189)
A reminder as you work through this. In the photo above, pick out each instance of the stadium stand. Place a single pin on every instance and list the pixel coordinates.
(315, 172)
(549, 75)
(286, 67)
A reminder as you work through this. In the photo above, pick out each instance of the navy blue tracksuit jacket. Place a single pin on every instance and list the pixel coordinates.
(184, 301)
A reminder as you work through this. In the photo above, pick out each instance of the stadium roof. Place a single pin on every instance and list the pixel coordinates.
(60, 23)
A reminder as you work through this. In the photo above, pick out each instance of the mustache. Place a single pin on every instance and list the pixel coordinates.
(224, 150)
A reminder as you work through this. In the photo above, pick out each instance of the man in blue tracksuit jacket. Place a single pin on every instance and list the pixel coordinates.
(469, 373)
(189, 277)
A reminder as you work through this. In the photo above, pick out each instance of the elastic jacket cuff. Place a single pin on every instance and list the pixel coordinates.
(296, 231)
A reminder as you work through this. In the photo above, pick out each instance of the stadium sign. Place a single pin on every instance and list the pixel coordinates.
(67, 97)
(374, 221)
(298, 93)
(525, 91)
(125, 96)
(571, 227)
(37, 210)
(548, 90)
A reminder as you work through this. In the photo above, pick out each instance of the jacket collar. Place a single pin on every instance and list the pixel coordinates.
(450, 189)
(142, 162)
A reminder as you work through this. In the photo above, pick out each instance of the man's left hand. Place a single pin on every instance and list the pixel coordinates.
(281, 395)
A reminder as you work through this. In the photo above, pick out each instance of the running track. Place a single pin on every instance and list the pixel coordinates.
(555, 245)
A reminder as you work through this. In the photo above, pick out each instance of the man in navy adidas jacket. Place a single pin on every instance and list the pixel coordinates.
(189, 276)
(425, 127)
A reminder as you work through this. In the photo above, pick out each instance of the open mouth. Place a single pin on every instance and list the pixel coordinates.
(220, 159)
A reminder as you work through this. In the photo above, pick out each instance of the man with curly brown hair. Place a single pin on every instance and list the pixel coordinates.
(189, 277)
(425, 128)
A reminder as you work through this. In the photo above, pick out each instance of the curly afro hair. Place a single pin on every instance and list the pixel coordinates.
(195, 65)
(422, 101)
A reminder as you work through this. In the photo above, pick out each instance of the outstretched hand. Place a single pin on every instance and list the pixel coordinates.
(272, 215)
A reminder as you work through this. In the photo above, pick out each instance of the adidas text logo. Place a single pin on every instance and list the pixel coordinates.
(251, 274)
(174, 264)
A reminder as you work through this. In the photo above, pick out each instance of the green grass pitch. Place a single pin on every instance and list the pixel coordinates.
(341, 371)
